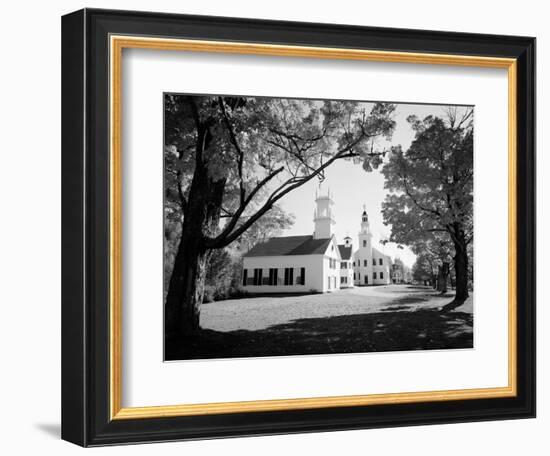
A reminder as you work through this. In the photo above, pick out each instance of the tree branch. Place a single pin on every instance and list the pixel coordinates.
(240, 155)
(218, 240)
(227, 236)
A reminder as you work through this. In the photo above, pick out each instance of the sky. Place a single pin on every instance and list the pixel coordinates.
(352, 188)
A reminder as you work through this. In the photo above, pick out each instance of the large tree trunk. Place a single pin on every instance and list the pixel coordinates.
(442, 277)
(186, 286)
(461, 270)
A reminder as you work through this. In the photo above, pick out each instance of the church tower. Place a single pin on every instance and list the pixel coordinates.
(323, 217)
(365, 235)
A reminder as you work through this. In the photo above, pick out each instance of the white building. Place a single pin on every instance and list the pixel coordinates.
(301, 264)
(346, 265)
(370, 265)
(400, 273)
(297, 263)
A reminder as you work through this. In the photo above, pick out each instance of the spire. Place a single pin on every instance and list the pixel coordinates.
(323, 215)
(365, 228)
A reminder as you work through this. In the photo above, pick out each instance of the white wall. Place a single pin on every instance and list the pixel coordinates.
(331, 274)
(30, 230)
(312, 263)
(348, 274)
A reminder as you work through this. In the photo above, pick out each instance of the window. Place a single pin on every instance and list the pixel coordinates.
(266, 280)
(380, 261)
(257, 276)
(359, 275)
(300, 276)
(354, 264)
(364, 243)
(289, 276)
(365, 263)
(374, 261)
(245, 277)
(343, 265)
(381, 275)
(354, 276)
(273, 279)
(374, 275)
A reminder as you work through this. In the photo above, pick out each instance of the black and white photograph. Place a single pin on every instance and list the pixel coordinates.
(309, 226)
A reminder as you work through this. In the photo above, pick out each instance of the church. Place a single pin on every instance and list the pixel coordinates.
(370, 265)
(315, 263)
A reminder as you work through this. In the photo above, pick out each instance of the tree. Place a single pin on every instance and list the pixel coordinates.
(423, 269)
(431, 187)
(229, 160)
(435, 248)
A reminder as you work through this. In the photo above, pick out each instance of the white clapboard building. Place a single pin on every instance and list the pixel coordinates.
(300, 264)
(346, 265)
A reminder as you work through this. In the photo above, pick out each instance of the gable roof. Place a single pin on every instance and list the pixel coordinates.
(345, 252)
(290, 245)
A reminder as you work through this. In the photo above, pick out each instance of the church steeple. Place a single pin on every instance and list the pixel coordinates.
(365, 227)
(365, 235)
(323, 216)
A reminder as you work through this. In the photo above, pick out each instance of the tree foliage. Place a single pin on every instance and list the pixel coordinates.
(263, 148)
(431, 183)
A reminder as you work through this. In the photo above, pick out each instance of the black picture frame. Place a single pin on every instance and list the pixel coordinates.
(86, 417)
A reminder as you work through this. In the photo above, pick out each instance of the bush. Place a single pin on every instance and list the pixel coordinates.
(237, 293)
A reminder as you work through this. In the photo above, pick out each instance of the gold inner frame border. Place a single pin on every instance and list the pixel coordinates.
(116, 46)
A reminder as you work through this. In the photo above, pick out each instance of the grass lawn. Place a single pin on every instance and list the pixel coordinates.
(369, 319)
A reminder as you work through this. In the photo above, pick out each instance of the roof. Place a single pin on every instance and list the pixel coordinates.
(345, 252)
(290, 245)
(380, 254)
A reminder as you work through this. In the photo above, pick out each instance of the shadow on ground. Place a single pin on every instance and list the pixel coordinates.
(390, 330)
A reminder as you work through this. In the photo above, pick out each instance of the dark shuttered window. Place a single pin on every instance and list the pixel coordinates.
(289, 276)
(257, 276)
(273, 276)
